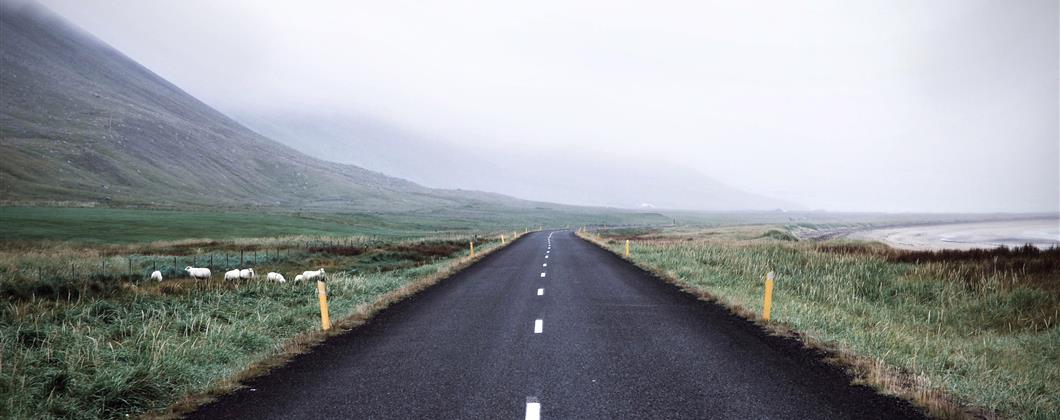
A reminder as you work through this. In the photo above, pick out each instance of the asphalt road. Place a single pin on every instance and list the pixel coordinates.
(595, 337)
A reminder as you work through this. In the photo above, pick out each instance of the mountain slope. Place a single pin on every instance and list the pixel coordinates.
(80, 121)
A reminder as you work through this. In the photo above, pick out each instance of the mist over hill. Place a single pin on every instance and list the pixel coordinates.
(81, 122)
(545, 175)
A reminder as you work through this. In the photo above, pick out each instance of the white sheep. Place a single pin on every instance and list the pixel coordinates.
(198, 273)
(276, 277)
(312, 275)
(298, 278)
(156, 275)
(247, 273)
(232, 275)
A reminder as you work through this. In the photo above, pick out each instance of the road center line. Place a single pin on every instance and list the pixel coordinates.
(533, 409)
(538, 326)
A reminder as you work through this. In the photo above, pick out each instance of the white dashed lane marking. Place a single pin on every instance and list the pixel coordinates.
(544, 265)
(540, 292)
(542, 274)
(533, 409)
(538, 326)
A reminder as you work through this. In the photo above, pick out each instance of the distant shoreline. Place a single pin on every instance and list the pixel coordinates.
(1040, 232)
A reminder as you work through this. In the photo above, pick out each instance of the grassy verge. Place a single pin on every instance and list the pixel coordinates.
(959, 333)
(115, 344)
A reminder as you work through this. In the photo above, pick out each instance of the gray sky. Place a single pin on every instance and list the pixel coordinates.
(842, 105)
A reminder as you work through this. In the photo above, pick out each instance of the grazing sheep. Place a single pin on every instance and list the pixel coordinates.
(156, 275)
(312, 275)
(247, 273)
(276, 277)
(298, 278)
(232, 275)
(198, 273)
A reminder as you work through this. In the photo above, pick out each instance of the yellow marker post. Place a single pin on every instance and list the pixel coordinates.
(627, 247)
(472, 249)
(513, 235)
(768, 305)
(502, 239)
(322, 293)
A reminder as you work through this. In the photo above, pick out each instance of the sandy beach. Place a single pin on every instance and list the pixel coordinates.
(1042, 233)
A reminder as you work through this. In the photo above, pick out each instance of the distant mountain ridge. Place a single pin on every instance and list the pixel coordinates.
(81, 122)
(570, 178)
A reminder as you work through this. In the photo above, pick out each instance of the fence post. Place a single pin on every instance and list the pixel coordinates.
(768, 305)
(322, 294)
(241, 258)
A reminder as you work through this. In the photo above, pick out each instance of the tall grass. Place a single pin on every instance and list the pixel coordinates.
(981, 329)
(124, 346)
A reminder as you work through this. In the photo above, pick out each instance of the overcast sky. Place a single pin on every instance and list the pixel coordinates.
(842, 105)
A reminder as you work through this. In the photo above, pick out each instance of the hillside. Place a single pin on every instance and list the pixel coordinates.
(81, 122)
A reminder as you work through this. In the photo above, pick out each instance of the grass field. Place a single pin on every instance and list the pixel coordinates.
(110, 344)
(951, 330)
(104, 225)
(112, 225)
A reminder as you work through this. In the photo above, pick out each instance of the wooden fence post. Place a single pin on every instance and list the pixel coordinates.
(322, 294)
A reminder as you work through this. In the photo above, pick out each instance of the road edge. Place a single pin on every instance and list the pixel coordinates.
(885, 380)
(306, 342)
